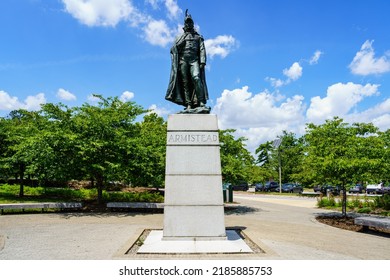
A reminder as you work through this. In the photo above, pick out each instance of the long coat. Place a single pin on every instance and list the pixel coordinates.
(175, 92)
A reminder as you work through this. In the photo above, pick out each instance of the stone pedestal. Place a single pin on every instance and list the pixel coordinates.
(193, 208)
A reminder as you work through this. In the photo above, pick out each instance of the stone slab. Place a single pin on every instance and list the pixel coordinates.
(154, 243)
(208, 122)
(135, 205)
(43, 205)
(194, 221)
(197, 189)
(193, 160)
(378, 222)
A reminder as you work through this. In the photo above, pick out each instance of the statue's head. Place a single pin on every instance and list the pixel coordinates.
(188, 22)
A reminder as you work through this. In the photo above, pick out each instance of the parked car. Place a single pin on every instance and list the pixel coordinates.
(356, 189)
(335, 190)
(291, 188)
(317, 188)
(386, 190)
(259, 187)
(271, 186)
(241, 186)
(374, 189)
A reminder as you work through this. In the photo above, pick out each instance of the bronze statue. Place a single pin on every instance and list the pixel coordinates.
(187, 84)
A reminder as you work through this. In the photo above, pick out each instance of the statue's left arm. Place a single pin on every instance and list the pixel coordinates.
(202, 51)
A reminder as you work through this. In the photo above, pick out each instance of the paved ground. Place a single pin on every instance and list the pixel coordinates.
(284, 228)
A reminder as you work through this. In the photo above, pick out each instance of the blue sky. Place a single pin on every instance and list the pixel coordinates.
(272, 65)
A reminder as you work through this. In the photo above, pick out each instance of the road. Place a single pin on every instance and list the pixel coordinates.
(283, 227)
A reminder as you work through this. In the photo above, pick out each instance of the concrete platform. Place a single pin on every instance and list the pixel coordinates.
(154, 244)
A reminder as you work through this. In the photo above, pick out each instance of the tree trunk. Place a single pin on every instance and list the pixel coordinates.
(344, 202)
(22, 168)
(99, 185)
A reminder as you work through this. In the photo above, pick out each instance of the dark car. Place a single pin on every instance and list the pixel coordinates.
(356, 189)
(317, 188)
(271, 187)
(259, 187)
(386, 190)
(241, 186)
(335, 190)
(292, 188)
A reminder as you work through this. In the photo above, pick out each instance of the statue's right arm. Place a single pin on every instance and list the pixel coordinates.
(180, 39)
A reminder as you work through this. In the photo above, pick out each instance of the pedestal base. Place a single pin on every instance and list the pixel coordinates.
(193, 206)
(156, 244)
(194, 222)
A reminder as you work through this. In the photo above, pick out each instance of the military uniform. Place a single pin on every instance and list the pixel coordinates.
(187, 85)
(192, 54)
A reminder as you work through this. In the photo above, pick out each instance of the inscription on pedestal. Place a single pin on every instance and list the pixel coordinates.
(192, 138)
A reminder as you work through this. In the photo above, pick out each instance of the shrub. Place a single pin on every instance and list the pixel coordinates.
(132, 197)
(383, 201)
(354, 203)
(364, 210)
(11, 192)
(327, 202)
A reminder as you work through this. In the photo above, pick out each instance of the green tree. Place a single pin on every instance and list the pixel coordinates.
(267, 163)
(146, 156)
(261, 174)
(385, 137)
(339, 154)
(104, 136)
(236, 160)
(263, 153)
(3, 146)
(54, 148)
(291, 152)
(19, 130)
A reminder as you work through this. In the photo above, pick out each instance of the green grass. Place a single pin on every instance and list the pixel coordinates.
(10, 194)
(377, 205)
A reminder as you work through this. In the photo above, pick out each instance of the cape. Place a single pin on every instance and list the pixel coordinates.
(175, 91)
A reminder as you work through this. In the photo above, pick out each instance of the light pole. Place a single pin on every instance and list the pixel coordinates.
(276, 145)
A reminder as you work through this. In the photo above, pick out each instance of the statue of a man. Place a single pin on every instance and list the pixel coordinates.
(187, 84)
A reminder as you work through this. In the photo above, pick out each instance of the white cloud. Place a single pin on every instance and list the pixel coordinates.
(263, 116)
(65, 95)
(173, 9)
(127, 96)
(365, 62)
(158, 33)
(379, 115)
(101, 12)
(316, 56)
(221, 45)
(259, 117)
(161, 111)
(8, 102)
(340, 99)
(239, 108)
(171, 5)
(32, 102)
(275, 82)
(294, 72)
(153, 3)
(382, 122)
(93, 99)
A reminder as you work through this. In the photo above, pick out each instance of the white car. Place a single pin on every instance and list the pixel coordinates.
(374, 189)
